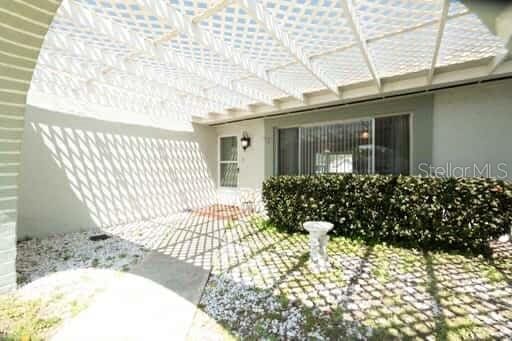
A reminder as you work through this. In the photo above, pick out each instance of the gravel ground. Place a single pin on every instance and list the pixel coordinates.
(37, 258)
(248, 312)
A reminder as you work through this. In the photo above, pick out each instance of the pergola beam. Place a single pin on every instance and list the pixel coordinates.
(439, 39)
(393, 88)
(184, 25)
(496, 62)
(60, 43)
(82, 16)
(177, 105)
(504, 31)
(374, 39)
(257, 12)
(157, 113)
(353, 22)
(70, 68)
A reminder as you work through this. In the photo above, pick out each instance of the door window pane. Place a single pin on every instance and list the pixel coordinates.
(228, 148)
(228, 161)
(392, 145)
(229, 174)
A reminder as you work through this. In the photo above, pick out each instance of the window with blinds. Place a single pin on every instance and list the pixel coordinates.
(288, 151)
(379, 145)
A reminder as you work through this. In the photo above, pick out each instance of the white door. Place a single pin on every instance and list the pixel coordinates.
(228, 161)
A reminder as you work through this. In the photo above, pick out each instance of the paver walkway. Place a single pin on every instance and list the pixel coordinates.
(158, 299)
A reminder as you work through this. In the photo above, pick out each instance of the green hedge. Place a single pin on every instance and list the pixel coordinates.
(424, 212)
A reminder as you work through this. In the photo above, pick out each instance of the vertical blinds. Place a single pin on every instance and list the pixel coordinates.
(288, 151)
(337, 148)
(379, 145)
(392, 145)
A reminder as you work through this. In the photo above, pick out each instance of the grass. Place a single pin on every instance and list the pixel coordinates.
(381, 264)
(493, 275)
(230, 225)
(24, 319)
(77, 307)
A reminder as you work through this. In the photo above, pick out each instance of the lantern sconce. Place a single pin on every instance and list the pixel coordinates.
(245, 140)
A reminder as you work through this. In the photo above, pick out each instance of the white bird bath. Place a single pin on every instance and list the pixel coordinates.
(318, 238)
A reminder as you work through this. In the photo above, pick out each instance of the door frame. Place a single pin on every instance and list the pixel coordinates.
(219, 162)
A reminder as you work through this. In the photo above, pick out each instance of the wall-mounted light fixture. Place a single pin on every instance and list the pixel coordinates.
(245, 141)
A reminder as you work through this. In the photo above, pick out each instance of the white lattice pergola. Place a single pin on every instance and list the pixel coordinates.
(182, 60)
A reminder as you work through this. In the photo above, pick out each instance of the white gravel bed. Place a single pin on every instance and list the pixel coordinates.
(254, 313)
(37, 258)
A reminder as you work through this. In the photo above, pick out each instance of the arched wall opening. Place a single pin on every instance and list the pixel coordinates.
(24, 25)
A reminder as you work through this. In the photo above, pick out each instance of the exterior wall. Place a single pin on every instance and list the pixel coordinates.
(451, 129)
(257, 162)
(24, 25)
(419, 106)
(472, 125)
(79, 173)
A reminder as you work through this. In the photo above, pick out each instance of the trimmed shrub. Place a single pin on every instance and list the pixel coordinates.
(425, 212)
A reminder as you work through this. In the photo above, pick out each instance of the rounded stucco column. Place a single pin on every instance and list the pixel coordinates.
(24, 24)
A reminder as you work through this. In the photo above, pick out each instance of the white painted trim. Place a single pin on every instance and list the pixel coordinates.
(439, 39)
(496, 62)
(360, 39)
(396, 86)
(58, 43)
(257, 12)
(116, 32)
(186, 26)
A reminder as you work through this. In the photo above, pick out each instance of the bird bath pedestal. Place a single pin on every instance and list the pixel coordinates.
(318, 238)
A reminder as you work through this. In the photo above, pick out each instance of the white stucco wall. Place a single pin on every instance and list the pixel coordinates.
(473, 126)
(79, 173)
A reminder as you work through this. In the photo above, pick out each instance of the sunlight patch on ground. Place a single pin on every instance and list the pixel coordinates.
(59, 276)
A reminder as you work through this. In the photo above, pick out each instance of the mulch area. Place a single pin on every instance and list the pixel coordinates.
(222, 212)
